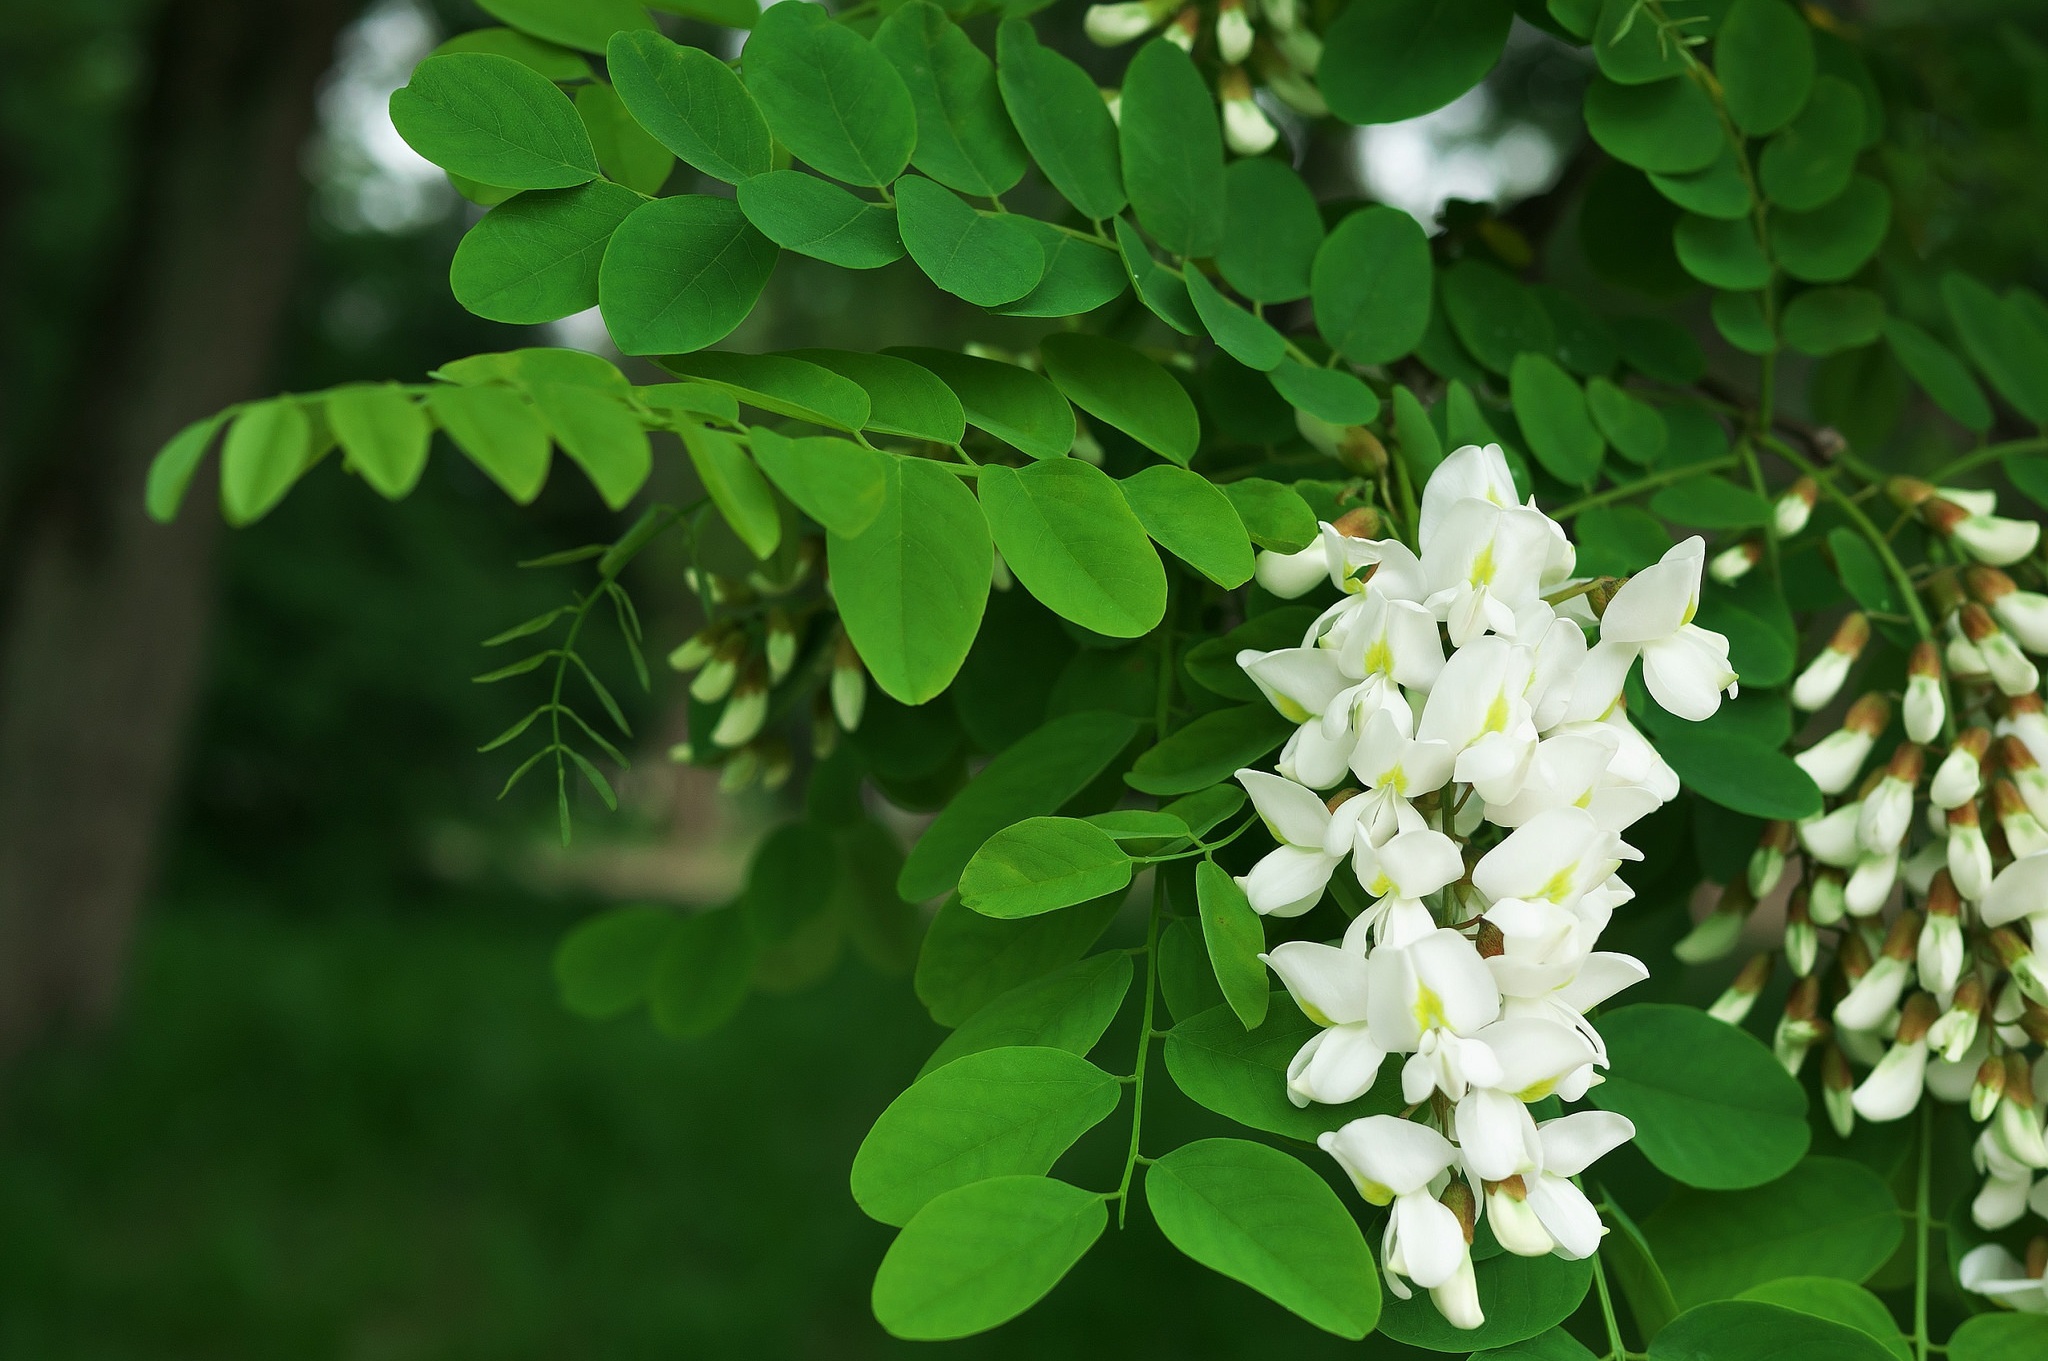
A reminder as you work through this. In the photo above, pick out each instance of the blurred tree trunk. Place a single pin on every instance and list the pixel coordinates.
(103, 614)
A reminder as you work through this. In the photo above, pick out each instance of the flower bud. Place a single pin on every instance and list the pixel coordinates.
(1960, 776)
(1246, 129)
(1802, 942)
(1734, 1005)
(2023, 613)
(2026, 718)
(1514, 1221)
(1871, 998)
(776, 763)
(739, 772)
(1767, 861)
(1360, 450)
(1833, 762)
(1986, 538)
(746, 709)
(849, 685)
(1870, 883)
(1185, 29)
(1969, 857)
(1822, 679)
(1826, 904)
(1892, 1089)
(698, 648)
(1989, 1086)
(1953, 1034)
(1887, 811)
(2009, 667)
(2015, 1124)
(1116, 24)
(781, 646)
(1800, 1027)
(1290, 575)
(1837, 1091)
(1731, 565)
(1926, 702)
(2034, 1020)
(2021, 961)
(715, 681)
(1718, 932)
(1939, 957)
(824, 730)
(1908, 493)
(1233, 32)
(1794, 506)
(2024, 834)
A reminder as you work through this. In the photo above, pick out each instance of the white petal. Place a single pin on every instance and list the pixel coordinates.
(1688, 672)
(1292, 812)
(1567, 1215)
(1496, 1137)
(1328, 984)
(1573, 1143)
(1388, 1156)
(2020, 890)
(1432, 1240)
(1657, 601)
(1600, 977)
(1342, 1068)
(1288, 881)
(1289, 575)
(1298, 681)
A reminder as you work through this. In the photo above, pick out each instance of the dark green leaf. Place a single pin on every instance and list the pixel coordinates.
(1764, 58)
(1080, 275)
(1235, 938)
(556, 63)
(979, 1256)
(1404, 58)
(1244, 337)
(1743, 775)
(536, 258)
(491, 119)
(1062, 119)
(1068, 1009)
(1810, 161)
(1040, 865)
(1722, 253)
(1172, 150)
(1114, 383)
(1740, 319)
(1668, 126)
(1939, 373)
(582, 24)
(1838, 1302)
(1243, 1074)
(969, 960)
(1271, 230)
(1824, 321)
(829, 96)
(1746, 1330)
(964, 139)
(1721, 190)
(1162, 291)
(790, 881)
(700, 977)
(1330, 395)
(692, 103)
(1523, 1298)
(1494, 315)
(982, 257)
(1274, 515)
(681, 273)
(997, 1113)
(1011, 403)
(903, 398)
(1711, 503)
(1190, 517)
(1999, 1337)
(626, 153)
(2001, 342)
(602, 968)
(1627, 1253)
(1370, 285)
(817, 218)
(1829, 243)
(1868, 584)
(1552, 413)
(1634, 427)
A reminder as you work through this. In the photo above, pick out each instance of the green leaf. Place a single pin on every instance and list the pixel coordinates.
(1075, 544)
(1940, 374)
(1746, 776)
(692, 103)
(384, 434)
(1272, 230)
(736, 487)
(1552, 413)
(2028, 473)
(488, 118)
(1625, 235)
(700, 976)
(1236, 938)
(1418, 438)
(1810, 161)
(1400, 59)
(1172, 150)
(790, 881)
(681, 273)
(1114, 383)
(912, 585)
(983, 1254)
(1370, 285)
(781, 384)
(1554, 1345)
(499, 431)
(1185, 978)
(2001, 342)
(964, 138)
(1494, 315)
(1080, 275)
(1244, 337)
(1632, 48)
(982, 257)
(1760, 654)
(1585, 342)
(903, 398)
(1523, 1298)
(267, 448)
(1764, 58)
(1711, 503)
(603, 967)
(1999, 1337)
(1212, 664)
(1722, 253)
(1242, 1073)
(829, 96)
(1668, 127)
(582, 24)
(1191, 518)
(1838, 1302)
(535, 258)
(997, 1113)
(1062, 118)
(725, 13)
(1033, 777)
(171, 471)
(1720, 190)
(1067, 1009)
(1824, 321)
(1829, 243)
(1635, 1268)
(1328, 394)
(1865, 577)
(1203, 810)
(1747, 1330)
(1274, 514)
(556, 63)
(1258, 1216)
(1162, 290)
(836, 482)
(624, 150)
(1634, 427)
(969, 960)
(817, 218)
(1740, 319)
(1014, 404)
(1712, 1107)
(600, 434)
(1040, 865)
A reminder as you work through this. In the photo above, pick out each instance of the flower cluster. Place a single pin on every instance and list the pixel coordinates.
(1487, 771)
(1927, 870)
(1273, 48)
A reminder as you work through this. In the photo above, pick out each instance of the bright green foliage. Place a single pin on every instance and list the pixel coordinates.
(1115, 383)
(691, 103)
(1040, 865)
(1013, 404)
(964, 137)
(1067, 1009)
(1826, 1217)
(1172, 151)
(583, 24)
(1555, 420)
(1271, 230)
(829, 96)
(1242, 1073)
(1838, 1302)
(680, 273)
(982, 257)
(1764, 57)
(983, 1254)
(383, 435)
(625, 152)
(1524, 1297)
(1754, 1331)
(536, 257)
(1235, 938)
(267, 447)
(836, 482)
(490, 119)
(1406, 58)
(1371, 283)
(1062, 120)
(1188, 516)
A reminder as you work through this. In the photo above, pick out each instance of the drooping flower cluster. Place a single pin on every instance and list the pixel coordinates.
(1484, 771)
(1266, 43)
(1928, 873)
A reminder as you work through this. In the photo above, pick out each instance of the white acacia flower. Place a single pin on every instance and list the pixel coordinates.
(1479, 707)
(1395, 768)
(1305, 685)
(1473, 472)
(1291, 575)
(1313, 842)
(1428, 996)
(1992, 1271)
(1246, 129)
(1394, 1162)
(1685, 666)
(1496, 1135)
(1569, 1145)
(1484, 566)
(1115, 24)
(1329, 984)
(1557, 856)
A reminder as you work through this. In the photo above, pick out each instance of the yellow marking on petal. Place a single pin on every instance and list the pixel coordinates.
(1497, 713)
(1396, 780)
(1379, 658)
(1291, 710)
(1560, 886)
(1483, 566)
(1314, 1013)
(1537, 1092)
(1428, 1009)
(1375, 1193)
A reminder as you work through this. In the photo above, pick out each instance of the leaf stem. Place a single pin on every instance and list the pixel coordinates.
(1123, 1188)
(1990, 453)
(1643, 484)
(1615, 1350)
(1920, 1203)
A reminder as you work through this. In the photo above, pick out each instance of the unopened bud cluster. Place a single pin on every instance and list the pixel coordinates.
(1255, 43)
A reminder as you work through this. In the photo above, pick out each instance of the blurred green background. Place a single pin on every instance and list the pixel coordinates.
(286, 1073)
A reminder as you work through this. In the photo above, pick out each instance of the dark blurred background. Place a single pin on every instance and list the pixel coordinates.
(284, 1069)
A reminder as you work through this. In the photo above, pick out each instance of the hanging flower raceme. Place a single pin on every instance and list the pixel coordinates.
(1489, 772)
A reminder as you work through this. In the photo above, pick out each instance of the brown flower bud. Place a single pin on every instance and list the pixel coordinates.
(1869, 715)
(1903, 939)
(1925, 661)
(1458, 1199)
(1987, 584)
(1942, 898)
(1908, 492)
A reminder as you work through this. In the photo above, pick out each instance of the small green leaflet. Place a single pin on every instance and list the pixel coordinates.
(268, 446)
(1062, 119)
(499, 431)
(1115, 383)
(1073, 541)
(1371, 284)
(1172, 150)
(983, 257)
(736, 487)
(627, 155)
(817, 218)
(583, 24)
(490, 119)
(1014, 404)
(692, 103)
(536, 257)
(681, 273)
(701, 975)
(600, 434)
(964, 138)
(603, 966)
(1555, 421)
(829, 96)
(383, 433)
(903, 398)
(1236, 938)
(1040, 865)
(1067, 1009)
(969, 960)
(1190, 517)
